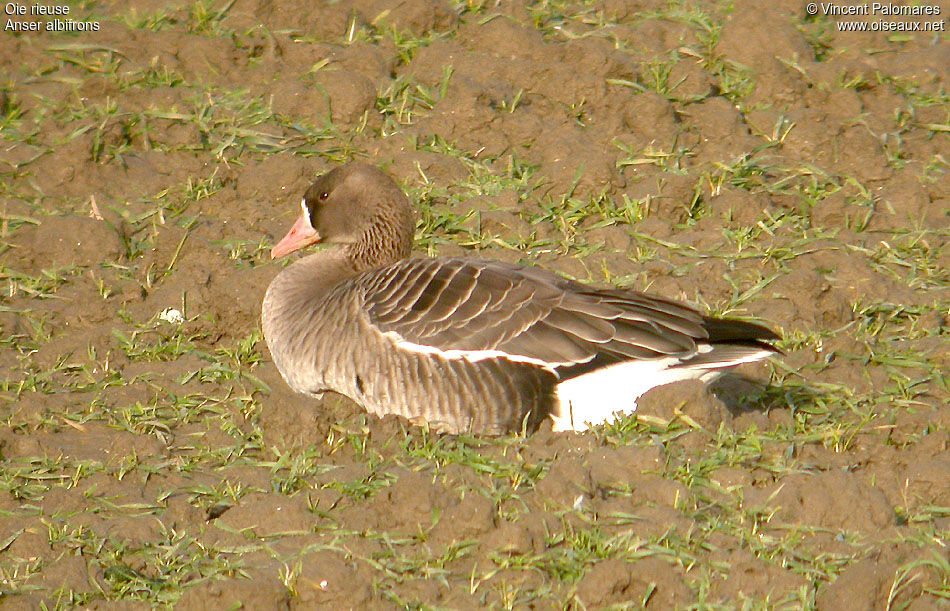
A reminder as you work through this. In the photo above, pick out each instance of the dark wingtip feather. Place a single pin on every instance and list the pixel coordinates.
(730, 330)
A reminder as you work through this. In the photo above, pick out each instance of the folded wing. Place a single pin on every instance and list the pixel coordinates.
(462, 306)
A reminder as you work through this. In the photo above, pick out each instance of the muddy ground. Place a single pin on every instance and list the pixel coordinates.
(754, 162)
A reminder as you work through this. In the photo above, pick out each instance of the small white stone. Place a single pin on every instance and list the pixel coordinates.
(172, 316)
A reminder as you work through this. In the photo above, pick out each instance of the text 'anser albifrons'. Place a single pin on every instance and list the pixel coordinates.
(469, 345)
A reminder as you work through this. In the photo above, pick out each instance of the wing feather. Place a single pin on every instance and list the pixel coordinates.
(394, 289)
(458, 304)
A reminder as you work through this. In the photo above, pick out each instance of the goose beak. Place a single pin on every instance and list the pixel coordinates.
(301, 235)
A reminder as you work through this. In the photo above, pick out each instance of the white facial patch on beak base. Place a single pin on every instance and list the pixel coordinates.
(301, 235)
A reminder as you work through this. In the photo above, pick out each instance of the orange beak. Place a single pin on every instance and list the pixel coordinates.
(301, 235)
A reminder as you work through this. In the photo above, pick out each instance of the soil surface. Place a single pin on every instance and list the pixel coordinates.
(756, 162)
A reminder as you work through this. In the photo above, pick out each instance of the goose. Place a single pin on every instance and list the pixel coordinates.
(466, 345)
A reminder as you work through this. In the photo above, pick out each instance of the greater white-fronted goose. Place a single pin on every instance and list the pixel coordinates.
(463, 344)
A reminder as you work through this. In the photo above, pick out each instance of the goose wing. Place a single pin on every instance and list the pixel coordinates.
(478, 309)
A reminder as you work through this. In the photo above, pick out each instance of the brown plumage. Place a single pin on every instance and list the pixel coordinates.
(464, 344)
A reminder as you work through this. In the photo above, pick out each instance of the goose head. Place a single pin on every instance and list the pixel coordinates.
(359, 208)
